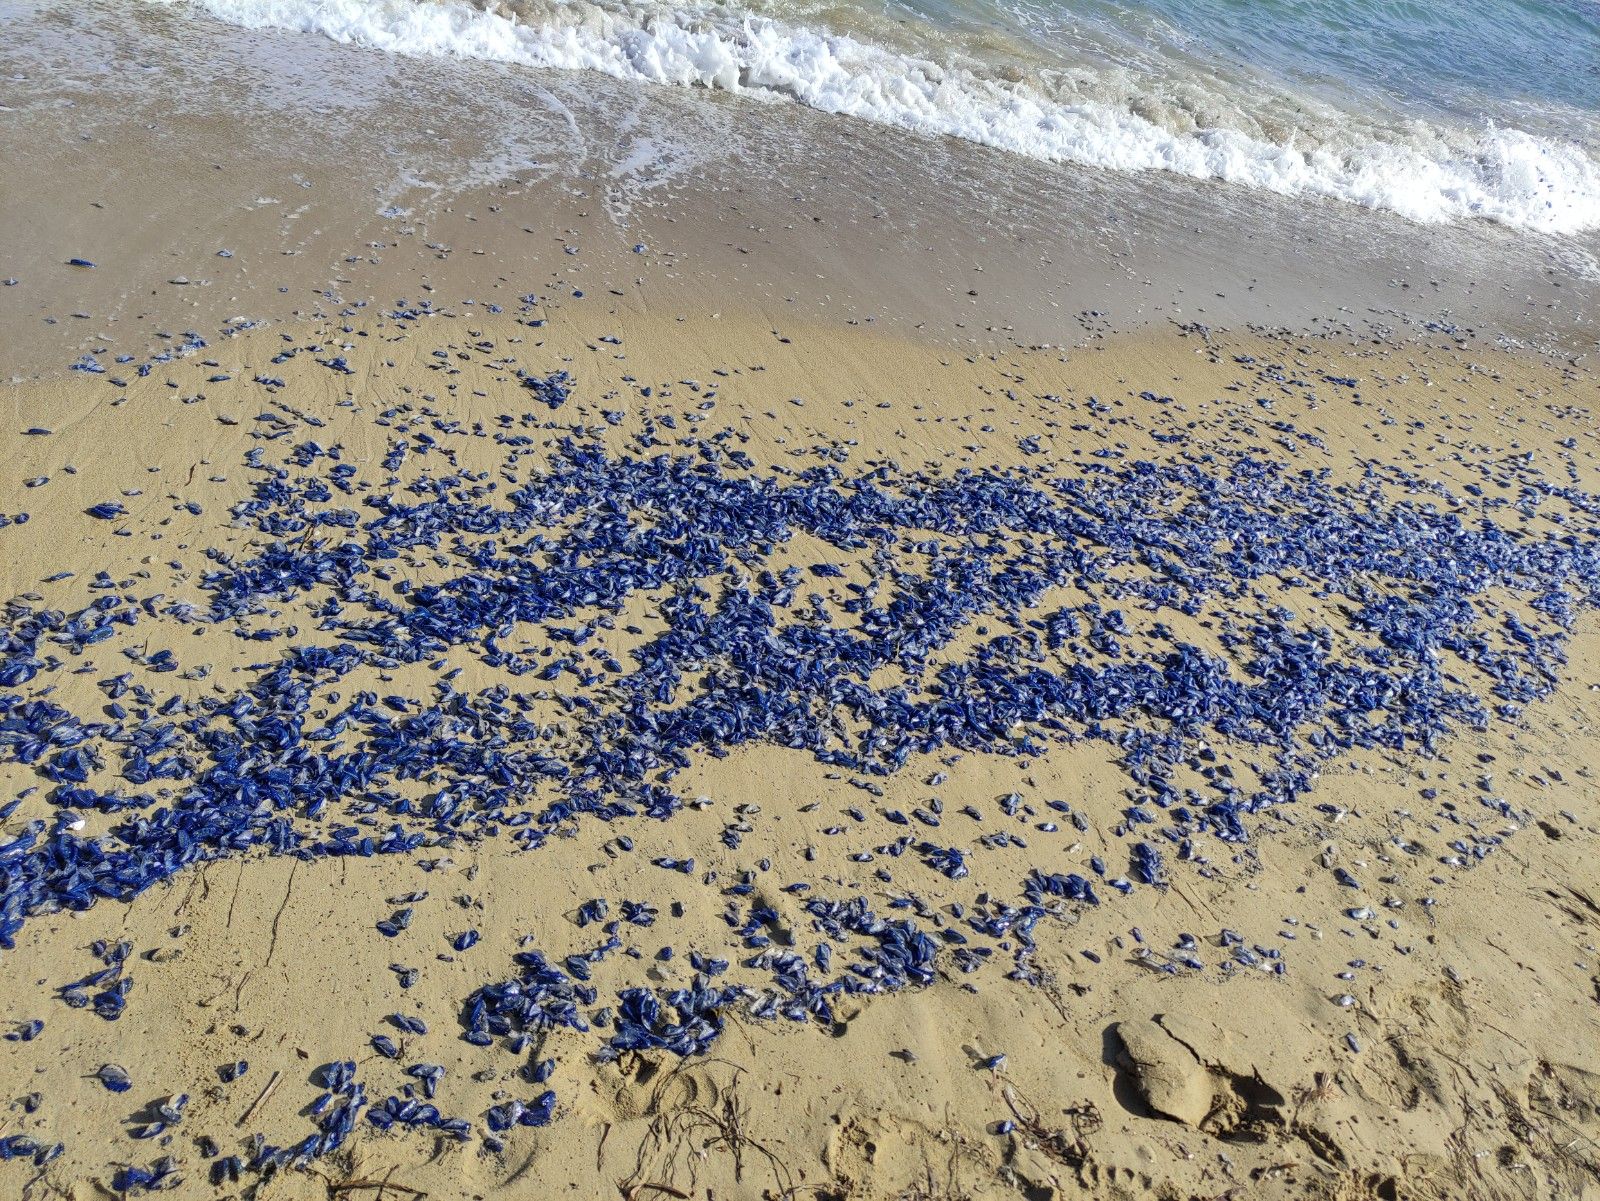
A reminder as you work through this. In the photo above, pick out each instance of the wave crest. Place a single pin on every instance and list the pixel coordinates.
(1426, 174)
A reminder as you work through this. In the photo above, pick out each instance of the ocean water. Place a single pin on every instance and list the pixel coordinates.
(1441, 112)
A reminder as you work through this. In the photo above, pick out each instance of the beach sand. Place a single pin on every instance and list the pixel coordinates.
(1432, 1033)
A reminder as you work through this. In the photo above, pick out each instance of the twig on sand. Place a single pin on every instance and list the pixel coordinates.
(1070, 1152)
(262, 1099)
(288, 891)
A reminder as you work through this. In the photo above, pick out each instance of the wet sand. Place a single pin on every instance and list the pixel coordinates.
(335, 176)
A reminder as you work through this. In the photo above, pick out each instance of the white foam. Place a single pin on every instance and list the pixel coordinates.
(1425, 174)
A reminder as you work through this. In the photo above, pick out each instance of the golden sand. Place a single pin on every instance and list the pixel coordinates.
(1477, 1022)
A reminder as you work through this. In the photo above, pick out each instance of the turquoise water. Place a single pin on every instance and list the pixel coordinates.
(1502, 59)
(1436, 113)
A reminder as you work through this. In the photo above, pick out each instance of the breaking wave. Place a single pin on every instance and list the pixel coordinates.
(1096, 117)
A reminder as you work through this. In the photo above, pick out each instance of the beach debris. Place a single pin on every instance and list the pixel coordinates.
(114, 1078)
(950, 583)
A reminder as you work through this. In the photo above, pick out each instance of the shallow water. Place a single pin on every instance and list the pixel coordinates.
(1434, 114)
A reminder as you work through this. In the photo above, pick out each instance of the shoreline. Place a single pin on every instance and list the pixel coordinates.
(548, 182)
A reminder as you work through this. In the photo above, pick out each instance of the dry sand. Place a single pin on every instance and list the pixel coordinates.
(1476, 1016)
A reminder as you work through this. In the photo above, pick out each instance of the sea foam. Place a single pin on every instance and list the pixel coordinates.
(1423, 173)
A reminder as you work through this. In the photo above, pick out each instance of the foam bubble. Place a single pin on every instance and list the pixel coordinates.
(1427, 174)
